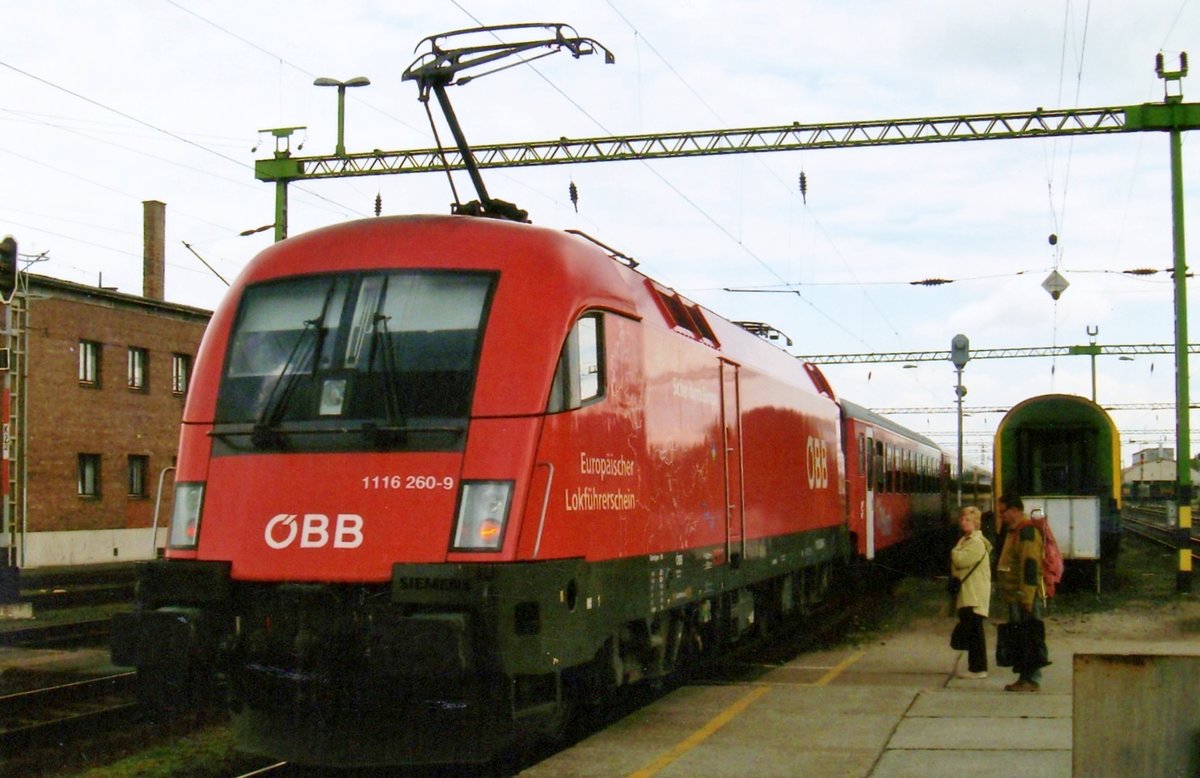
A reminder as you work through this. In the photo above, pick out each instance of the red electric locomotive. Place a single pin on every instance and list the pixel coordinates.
(445, 474)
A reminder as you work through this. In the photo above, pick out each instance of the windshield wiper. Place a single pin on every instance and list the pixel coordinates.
(381, 341)
(265, 434)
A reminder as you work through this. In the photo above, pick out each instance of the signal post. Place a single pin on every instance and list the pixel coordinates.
(10, 607)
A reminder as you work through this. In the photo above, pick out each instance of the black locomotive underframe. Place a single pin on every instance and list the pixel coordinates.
(369, 674)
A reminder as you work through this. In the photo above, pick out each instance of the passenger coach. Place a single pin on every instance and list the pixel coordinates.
(898, 485)
(1062, 453)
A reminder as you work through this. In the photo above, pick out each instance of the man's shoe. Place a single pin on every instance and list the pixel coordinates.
(973, 676)
(1022, 686)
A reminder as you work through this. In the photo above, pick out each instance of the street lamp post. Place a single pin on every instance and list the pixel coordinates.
(1092, 333)
(340, 150)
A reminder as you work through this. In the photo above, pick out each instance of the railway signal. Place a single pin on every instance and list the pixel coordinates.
(9, 267)
(960, 354)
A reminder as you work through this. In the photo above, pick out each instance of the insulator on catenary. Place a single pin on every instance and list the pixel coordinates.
(378, 204)
(573, 191)
(804, 187)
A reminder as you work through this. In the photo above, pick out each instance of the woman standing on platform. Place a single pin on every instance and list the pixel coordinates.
(970, 566)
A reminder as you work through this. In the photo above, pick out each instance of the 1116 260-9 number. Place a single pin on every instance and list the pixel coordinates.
(421, 482)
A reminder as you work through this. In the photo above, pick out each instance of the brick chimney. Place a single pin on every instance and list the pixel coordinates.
(154, 249)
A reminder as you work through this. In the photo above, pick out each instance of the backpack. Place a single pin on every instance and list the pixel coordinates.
(1052, 559)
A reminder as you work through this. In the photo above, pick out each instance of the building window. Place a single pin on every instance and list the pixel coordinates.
(138, 467)
(89, 363)
(138, 361)
(89, 475)
(181, 373)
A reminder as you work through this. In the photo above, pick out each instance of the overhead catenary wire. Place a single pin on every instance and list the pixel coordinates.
(161, 130)
(784, 184)
(674, 188)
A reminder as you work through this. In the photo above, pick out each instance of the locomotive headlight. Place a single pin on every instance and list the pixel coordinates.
(482, 513)
(185, 515)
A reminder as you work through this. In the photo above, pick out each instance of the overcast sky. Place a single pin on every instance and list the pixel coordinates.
(108, 104)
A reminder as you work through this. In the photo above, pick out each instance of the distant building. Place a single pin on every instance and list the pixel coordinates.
(1157, 454)
(97, 388)
(1152, 476)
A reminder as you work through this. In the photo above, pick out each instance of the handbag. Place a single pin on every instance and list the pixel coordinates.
(1021, 645)
(954, 585)
(1034, 651)
(1006, 643)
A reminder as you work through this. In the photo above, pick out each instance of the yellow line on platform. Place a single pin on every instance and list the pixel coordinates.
(728, 715)
(702, 734)
(839, 668)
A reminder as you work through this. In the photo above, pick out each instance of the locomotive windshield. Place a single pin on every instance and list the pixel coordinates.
(354, 362)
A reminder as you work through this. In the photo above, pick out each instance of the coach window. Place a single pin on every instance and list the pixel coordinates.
(579, 378)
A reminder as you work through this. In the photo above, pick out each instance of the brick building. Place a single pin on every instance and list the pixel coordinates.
(105, 375)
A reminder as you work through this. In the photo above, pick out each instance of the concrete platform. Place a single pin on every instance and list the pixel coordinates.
(889, 709)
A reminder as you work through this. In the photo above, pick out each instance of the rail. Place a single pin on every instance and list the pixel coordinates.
(1157, 531)
(50, 715)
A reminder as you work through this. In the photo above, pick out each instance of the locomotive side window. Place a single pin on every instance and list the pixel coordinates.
(579, 378)
(388, 357)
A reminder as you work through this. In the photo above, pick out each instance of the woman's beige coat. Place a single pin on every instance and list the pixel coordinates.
(976, 590)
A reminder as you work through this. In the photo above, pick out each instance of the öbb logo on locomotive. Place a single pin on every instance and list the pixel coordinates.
(817, 463)
(313, 531)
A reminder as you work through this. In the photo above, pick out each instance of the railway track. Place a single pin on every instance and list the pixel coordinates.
(74, 634)
(1150, 523)
(277, 768)
(53, 714)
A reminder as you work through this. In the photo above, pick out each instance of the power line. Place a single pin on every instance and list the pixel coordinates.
(122, 114)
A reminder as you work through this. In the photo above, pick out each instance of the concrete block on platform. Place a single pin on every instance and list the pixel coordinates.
(1137, 714)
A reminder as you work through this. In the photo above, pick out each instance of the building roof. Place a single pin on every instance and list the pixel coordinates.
(1158, 470)
(44, 286)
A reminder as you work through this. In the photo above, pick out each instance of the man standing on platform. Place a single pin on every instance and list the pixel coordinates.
(1019, 573)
